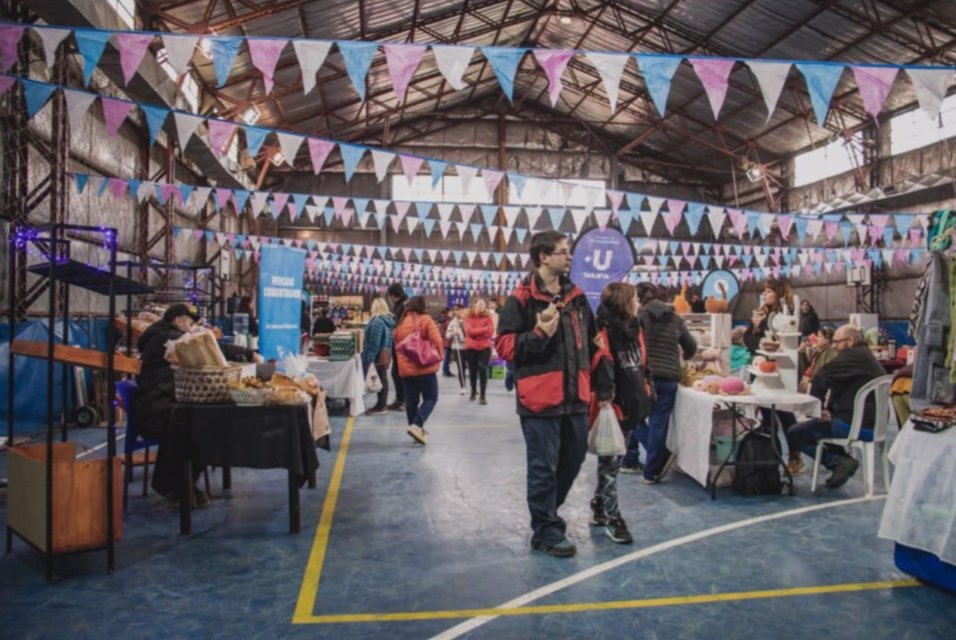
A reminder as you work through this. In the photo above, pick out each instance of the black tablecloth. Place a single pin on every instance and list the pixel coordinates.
(226, 435)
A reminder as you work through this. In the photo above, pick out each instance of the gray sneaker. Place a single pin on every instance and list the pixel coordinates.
(846, 466)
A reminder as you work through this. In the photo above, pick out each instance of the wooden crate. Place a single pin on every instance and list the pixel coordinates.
(79, 498)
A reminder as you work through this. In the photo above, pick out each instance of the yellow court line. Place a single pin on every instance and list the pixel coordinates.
(451, 427)
(604, 606)
(313, 570)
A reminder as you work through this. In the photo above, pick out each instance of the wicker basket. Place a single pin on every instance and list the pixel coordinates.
(204, 385)
(250, 397)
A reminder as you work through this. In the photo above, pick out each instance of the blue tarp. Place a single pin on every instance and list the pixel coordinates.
(30, 374)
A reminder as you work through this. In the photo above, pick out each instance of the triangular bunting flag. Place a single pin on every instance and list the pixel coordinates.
(658, 71)
(822, 80)
(403, 60)
(224, 50)
(504, 62)
(265, 53)
(713, 74)
(358, 58)
(311, 55)
(610, 67)
(132, 47)
(554, 62)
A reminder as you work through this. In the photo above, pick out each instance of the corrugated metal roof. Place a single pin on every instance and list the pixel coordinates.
(850, 31)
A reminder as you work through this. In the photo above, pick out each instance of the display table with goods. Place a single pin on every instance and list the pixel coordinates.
(341, 379)
(920, 511)
(275, 436)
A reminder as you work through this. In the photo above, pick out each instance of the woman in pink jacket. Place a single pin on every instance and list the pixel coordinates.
(479, 330)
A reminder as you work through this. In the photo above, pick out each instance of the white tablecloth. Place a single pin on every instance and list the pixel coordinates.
(920, 511)
(692, 422)
(342, 379)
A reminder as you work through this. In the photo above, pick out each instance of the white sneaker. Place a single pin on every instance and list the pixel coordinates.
(509, 393)
(418, 434)
(462, 392)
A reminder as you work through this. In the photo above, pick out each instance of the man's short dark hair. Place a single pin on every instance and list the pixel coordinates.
(396, 290)
(544, 242)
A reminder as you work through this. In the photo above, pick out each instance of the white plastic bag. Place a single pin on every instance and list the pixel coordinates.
(606, 437)
(373, 384)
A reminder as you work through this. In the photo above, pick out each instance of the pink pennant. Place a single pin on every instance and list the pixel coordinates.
(132, 47)
(874, 84)
(784, 223)
(492, 179)
(402, 62)
(915, 237)
(875, 233)
(603, 217)
(114, 113)
(347, 217)
(713, 75)
(197, 233)
(118, 187)
(219, 134)
(279, 202)
(10, 35)
(676, 206)
(223, 196)
(831, 228)
(554, 62)
(410, 166)
(339, 204)
(901, 256)
(172, 191)
(671, 220)
(402, 208)
(397, 222)
(265, 53)
(616, 198)
(319, 150)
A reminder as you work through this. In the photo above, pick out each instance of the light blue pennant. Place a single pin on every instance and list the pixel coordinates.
(36, 95)
(90, 45)
(822, 80)
(224, 50)
(694, 214)
(358, 58)
(351, 156)
(658, 72)
(504, 62)
(155, 119)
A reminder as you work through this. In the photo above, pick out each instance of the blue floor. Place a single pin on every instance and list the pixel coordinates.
(445, 528)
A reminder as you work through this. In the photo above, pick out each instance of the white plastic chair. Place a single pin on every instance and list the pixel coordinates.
(880, 387)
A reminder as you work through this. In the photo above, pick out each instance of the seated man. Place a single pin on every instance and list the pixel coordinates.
(156, 393)
(853, 366)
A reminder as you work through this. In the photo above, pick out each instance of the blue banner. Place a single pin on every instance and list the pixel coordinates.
(600, 258)
(280, 299)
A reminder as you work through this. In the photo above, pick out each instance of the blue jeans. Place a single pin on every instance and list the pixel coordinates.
(556, 448)
(652, 433)
(421, 396)
(805, 436)
(446, 367)
(509, 376)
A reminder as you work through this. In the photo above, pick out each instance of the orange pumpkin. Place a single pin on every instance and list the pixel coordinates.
(768, 367)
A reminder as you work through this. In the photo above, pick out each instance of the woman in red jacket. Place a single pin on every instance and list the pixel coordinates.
(420, 381)
(479, 330)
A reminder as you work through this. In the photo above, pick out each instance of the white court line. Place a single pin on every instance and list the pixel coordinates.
(99, 446)
(470, 625)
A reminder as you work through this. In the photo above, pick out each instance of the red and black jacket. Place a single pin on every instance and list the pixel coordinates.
(553, 374)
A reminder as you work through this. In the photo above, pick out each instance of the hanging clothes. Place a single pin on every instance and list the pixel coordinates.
(931, 383)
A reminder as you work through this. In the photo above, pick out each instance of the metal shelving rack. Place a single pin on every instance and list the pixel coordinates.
(53, 242)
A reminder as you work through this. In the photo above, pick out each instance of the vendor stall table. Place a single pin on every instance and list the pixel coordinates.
(692, 422)
(892, 366)
(341, 379)
(920, 511)
(226, 435)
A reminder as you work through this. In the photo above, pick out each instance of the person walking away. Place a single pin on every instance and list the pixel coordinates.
(396, 295)
(420, 382)
(455, 333)
(444, 321)
(323, 324)
(377, 351)
(547, 330)
(479, 329)
(624, 348)
(667, 340)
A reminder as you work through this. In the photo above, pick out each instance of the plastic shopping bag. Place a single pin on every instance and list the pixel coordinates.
(606, 437)
(373, 384)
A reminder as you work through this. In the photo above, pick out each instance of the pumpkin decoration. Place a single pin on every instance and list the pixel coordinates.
(768, 366)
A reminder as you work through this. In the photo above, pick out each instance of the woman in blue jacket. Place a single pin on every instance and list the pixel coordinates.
(377, 350)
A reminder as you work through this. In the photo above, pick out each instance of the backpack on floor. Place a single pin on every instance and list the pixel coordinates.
(752, 476)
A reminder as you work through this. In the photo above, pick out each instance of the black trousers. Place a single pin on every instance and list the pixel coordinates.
(478, 368)
(397, 380)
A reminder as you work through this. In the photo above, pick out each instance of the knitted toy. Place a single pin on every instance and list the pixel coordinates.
(680, 302)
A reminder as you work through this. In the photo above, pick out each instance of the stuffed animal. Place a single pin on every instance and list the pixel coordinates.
(681, 305)
(714, 305)
(785, 322)
(711, 361)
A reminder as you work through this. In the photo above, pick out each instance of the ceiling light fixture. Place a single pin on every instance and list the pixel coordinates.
(566, 19)
(251, 114)
(278, 158)
(755, 173)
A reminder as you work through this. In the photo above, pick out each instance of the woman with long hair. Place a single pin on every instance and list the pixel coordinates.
(809, 320)
(776, 293)
(377, 350)
(623, 341)
(420, 381)
(479, 329)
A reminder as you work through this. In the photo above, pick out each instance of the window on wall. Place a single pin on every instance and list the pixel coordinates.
(914, 129)
(448, 189)
(553, 193)
(190, 91)
(827, 161)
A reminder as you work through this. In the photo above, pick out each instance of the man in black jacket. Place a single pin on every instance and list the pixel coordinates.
(398, 298)
(854, 366)
(547, 329)
(156, 393)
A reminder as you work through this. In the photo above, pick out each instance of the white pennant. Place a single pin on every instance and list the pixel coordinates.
(201, 196)
(533, 214)
(185, 127)
(445, 210)
(311, 55)
(290, 146)
(579, 218)
(179, 51)
(51, 39)
(312, 211)
(259, 200)
(381, 160)
(771, 76)
(146, 191)
(611, 67)
(930, 86)
(655, 203)
(77, 104)
(467, 175)
(647, 219)
(716, 217)
(453, 62)
(814, 227)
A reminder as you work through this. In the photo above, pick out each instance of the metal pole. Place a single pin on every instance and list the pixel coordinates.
(110, 409)
(49, 400)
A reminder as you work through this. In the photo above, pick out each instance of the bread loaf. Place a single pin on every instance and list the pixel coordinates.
(197, 350)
